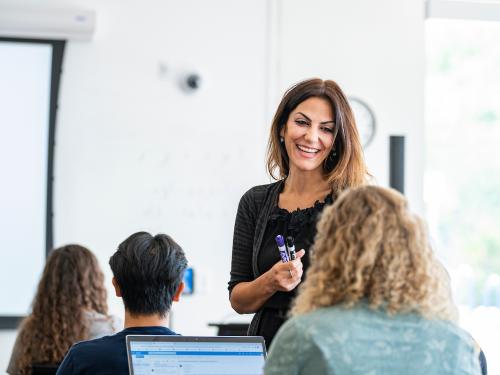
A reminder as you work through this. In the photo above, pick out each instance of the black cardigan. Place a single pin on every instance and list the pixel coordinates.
(251, 221)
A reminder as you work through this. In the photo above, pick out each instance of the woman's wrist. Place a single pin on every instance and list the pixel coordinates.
(269, 285)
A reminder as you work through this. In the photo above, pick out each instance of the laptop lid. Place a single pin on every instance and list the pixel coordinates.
(223, 355)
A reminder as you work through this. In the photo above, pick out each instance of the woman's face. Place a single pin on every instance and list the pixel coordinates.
(309, 135)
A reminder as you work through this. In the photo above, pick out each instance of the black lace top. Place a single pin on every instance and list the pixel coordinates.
(301, 225)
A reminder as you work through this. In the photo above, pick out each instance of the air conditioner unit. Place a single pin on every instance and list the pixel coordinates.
(46, 23)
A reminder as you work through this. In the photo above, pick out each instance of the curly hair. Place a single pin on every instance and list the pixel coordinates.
(71, 283)
(348, 168)
(369, 247)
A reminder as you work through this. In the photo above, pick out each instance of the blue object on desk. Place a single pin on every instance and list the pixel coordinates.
(188, 281)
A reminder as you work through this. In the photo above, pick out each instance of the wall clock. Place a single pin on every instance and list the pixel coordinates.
(365, 120)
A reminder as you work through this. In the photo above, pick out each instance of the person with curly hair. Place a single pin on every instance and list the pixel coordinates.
(375, 300)
(314, 153)
(69, 306)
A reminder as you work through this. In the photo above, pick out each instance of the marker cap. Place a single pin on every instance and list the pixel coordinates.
(280, 240)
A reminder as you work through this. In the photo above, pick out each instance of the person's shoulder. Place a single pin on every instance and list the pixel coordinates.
(293, 331)
(258, 194)
(447, 340)
(450, 331)
(342, 318)
(101, 324)
(299, 327)
(329, 312)
(94, 316)
(86, 357)
(329, 318)
(98, 345)
(260, 190)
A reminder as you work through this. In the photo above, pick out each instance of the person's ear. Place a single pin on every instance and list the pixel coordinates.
(118, 292)
(179, 291)
(282, 131)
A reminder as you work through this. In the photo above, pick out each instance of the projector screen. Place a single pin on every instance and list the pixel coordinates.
(28, 98)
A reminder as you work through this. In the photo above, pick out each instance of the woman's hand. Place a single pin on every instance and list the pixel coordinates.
(248, 297)
(285, 277)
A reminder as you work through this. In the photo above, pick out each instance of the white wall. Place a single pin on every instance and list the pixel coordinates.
(375, 51)
(133, 152)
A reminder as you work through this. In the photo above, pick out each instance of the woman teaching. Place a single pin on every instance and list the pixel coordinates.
(314, 153)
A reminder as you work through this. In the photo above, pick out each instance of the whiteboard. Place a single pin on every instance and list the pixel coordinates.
(25, 79)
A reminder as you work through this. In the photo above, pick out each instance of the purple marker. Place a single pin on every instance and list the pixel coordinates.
(280, 241)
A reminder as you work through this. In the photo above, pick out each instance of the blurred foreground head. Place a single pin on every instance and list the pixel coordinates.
(370, 247)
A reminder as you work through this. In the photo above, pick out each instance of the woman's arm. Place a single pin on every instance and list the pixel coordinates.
(247, 294)
(248, 297)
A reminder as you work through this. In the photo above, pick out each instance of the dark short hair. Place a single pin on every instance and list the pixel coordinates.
(148, 271)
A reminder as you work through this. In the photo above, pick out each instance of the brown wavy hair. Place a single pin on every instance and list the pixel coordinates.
(370, 247)
(348, 168)
(71, 283)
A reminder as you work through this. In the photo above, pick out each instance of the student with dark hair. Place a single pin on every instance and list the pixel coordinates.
(147, 274)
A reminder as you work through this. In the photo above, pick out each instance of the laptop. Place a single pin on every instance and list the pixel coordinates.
(224, 355)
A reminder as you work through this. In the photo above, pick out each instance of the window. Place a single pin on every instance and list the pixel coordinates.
(462, 178)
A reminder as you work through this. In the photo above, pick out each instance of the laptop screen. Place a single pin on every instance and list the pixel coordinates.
(195, 355)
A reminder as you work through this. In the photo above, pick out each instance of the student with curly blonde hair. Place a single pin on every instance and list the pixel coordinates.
(375, 299)
(69, 306)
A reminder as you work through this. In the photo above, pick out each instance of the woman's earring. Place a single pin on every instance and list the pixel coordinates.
(282, 140)
(329, 162)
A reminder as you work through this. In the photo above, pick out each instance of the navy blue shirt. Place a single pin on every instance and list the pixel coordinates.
(106, 355)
